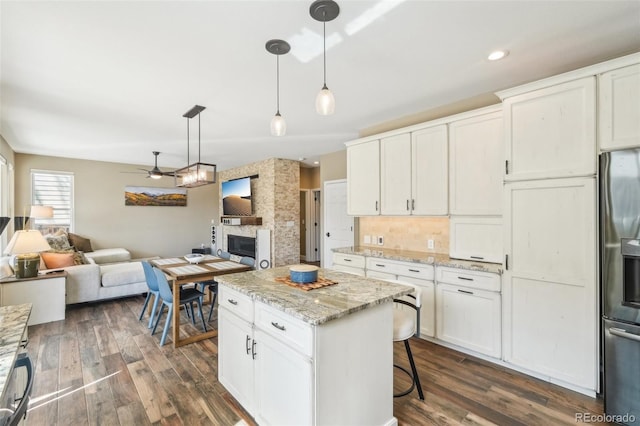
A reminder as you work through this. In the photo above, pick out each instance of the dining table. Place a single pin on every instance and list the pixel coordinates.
(179, 272)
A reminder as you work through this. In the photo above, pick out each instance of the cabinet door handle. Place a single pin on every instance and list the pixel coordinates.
(407, 205)
(253, 350)
(247, 344)
(414, 270)
(413, 204)
(477, 257)
(381, 265)
(623, 333)
(465, 278)
(347, 260)
(233, 302)
(376, 206)
(278, 326)
(465, 291)
(506, 262)
(24, 343)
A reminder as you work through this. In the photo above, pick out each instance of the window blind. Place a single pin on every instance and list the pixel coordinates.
(53, 189)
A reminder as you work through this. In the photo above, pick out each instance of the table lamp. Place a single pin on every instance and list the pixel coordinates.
(26, 245)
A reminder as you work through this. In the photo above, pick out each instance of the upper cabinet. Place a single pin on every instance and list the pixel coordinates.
(476, 158)
(619, 108)
(413, 173)
(551, 132)
(363, 178)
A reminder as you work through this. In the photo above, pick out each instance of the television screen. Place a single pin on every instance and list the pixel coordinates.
(236, 197)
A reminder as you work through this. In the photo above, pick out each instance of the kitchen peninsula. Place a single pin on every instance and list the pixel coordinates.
(323, 356)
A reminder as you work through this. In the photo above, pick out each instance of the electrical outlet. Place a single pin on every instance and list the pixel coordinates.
(380, 241)
(430, 244)
(367, 239)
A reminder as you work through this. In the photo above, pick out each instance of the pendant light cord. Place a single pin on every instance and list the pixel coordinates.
(278, 81)
(198, 137)
(188, 141)
(324, 45)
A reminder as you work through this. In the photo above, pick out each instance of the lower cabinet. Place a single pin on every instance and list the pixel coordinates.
(350, 263)
(283, 383)
(469, 318)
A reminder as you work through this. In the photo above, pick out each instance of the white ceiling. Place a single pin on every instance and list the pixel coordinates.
(110, 80)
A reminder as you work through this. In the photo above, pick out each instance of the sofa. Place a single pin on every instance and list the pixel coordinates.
(110, 273)
(92, 275)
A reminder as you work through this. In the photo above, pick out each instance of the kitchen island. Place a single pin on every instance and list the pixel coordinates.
(13, 326)
(323, 356)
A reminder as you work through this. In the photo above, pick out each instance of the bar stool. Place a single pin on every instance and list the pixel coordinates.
(406, 323)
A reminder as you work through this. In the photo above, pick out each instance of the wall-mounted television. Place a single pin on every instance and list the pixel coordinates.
(236, 197)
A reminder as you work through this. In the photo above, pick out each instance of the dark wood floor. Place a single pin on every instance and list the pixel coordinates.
(102, 366)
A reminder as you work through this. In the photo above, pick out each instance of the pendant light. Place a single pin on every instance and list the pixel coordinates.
(324, 11)
(278, 47)
(199, 173)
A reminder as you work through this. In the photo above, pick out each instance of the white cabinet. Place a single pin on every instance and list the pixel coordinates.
(476, 238)
(418, 274)
(45, 292)
(395, 175)
(430, 171)
(469, 309)
(476, 165)
(414, 172)
(550, 132)
(363, 178)
(550, 303)
(235, 356)
(619, 108)
(350, 263)
(469, 318)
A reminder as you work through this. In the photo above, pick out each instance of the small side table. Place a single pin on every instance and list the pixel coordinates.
(45, 292)
(206, 250)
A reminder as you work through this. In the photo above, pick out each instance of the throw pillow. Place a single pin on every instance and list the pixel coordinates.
(80, 243)
(57, 260)
(59, 242)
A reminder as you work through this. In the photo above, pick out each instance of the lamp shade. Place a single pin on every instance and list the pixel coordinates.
(41, 212)
(30, 241)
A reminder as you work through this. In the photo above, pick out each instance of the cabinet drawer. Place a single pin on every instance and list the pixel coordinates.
(352, 260)
(236, 302)
(284, 327)
(466, 278)
(406, 269)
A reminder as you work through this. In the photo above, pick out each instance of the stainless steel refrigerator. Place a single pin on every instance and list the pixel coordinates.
(620, 283)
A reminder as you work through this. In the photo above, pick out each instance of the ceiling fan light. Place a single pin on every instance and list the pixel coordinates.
(278, 125)
(325, 102)
(154, 175)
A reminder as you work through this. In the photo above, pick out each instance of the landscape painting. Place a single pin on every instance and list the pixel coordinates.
(151, 196)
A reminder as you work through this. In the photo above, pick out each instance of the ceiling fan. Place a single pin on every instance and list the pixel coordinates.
(156, 173)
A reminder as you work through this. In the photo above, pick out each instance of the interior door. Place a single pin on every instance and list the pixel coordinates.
(338, 225)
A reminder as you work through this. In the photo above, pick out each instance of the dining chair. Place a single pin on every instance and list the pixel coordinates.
(249, 261)
(187, 297)
(223, 254)
(152, 284)
(406, 323)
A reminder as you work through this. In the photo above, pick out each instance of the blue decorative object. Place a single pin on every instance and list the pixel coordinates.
(303, 274)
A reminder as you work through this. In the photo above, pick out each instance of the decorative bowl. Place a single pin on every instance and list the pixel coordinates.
(303, 274)
(194, 257)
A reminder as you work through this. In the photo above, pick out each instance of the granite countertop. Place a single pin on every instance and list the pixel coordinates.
(436, 259)
(13, 321)
(317, 306)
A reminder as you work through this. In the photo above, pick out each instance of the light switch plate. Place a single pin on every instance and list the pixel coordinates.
(367, 239)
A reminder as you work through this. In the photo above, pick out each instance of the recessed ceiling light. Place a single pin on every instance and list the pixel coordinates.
(316, 162)
(301, 159)
(497, 54)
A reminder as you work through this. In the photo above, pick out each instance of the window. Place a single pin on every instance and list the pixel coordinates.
(53, 189)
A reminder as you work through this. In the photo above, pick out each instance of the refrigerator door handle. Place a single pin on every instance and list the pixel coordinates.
(622, 333)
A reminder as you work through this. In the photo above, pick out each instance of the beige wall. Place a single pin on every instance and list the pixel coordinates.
(309, 177)
(100, 213)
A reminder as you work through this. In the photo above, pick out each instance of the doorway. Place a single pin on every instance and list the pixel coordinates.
(310, 225)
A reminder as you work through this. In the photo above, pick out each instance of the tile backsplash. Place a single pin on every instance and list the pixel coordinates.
(406, 233)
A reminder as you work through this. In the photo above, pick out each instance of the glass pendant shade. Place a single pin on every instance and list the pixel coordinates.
(278, 125)
(325, 102)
